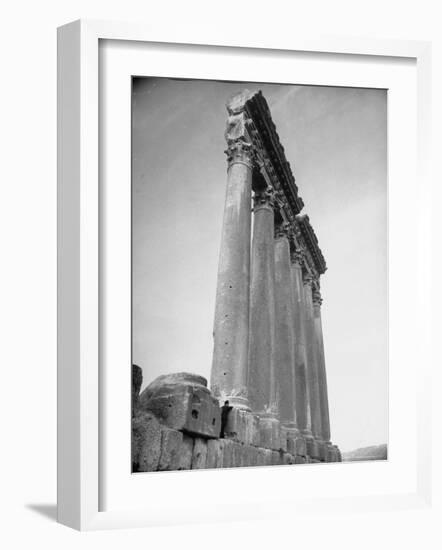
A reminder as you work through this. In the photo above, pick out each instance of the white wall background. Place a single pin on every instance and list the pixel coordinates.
(28, 278)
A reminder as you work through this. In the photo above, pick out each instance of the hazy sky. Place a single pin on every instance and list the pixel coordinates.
(336, 142)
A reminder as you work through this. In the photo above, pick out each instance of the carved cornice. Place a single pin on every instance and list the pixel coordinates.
(311, 241)
(266, 138)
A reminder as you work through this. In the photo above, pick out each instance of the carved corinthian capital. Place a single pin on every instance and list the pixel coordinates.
(240, 152)
(264, 198)
(282, 230)
(297, 257)
(307, 279)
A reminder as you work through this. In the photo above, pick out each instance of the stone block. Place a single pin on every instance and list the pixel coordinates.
(267, 456)
(287, 458)
(242, 426)
(291, 445)
(137, 380)
(238, 458)
(284, 439)
(300, 460)
(312, 448)
(227, 452)
(183, 402)
(199, 456)
(322, 451)
(260, 456)
(146, 443)
(252, 430)
(171, 444)
(276, 458)
(300, 446)
(251, 455)
(186, 453)
(214, 453)
(269, 430)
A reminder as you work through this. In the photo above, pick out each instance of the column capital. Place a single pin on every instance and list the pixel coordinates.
(307, 279)
(297, 257)
(282, 230)
(264, 198)
(317, 298)
(240, 151)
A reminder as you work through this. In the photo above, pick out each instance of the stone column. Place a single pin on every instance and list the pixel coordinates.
(261, 379)
(231, 326)
(303, 418)
(284, 332)
(312, 369)
(322, 375)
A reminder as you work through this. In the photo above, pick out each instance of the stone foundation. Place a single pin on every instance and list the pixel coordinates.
(166, 436)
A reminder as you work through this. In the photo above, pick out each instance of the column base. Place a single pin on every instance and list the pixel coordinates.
(238, 402)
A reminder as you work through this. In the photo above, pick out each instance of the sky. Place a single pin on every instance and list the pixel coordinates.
(336, 142)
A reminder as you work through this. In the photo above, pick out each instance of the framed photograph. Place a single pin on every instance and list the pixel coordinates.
(235, 228)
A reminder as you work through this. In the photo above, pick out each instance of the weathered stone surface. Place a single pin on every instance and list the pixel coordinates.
(322, 451)
(276, 458)
(338, 454)
(300, 460)
(312, 448)
(214, 453)
(231, 326)
(267, 456)
(199, 456)
(236, 425)
(171, 442)
(146, 442)
(252, 430)
(186, 453)
(269, 433)
(291, 445)
(228, 450)
(284, 440)
(284, 330)
(239, 455)
(312, 358)
(287, 458)
(182, 401)
(243, 427)
(297, 445)
(137, 380)
(261, 373)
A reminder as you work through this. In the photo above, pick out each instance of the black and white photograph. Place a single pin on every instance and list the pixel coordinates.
(259, 274)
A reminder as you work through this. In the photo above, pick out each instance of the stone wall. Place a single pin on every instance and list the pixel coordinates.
(176, 425)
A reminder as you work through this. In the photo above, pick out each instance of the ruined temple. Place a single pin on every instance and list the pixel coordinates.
(268, 358)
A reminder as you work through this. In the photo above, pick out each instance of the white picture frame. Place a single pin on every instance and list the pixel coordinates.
(79, 275)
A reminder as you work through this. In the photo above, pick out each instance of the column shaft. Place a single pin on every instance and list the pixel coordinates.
(231, 326)
(303, 418)
(284, 333)
(261, 377)
(322, 375)
(312, 368)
